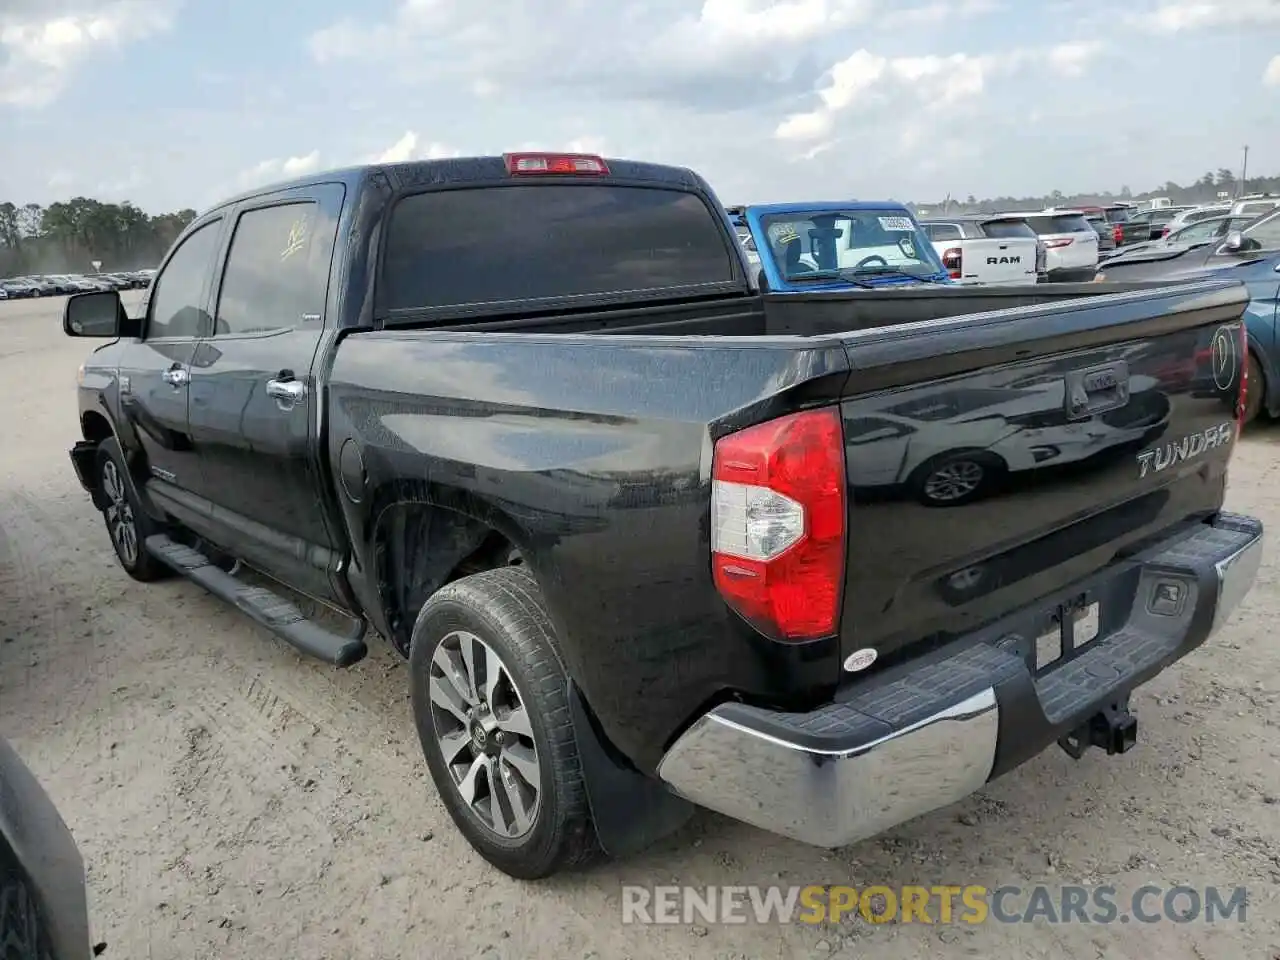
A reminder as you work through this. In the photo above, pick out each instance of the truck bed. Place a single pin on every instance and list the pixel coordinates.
(806, 314)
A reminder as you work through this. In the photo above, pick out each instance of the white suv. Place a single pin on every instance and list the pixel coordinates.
(1071, 244)
(1254, 206)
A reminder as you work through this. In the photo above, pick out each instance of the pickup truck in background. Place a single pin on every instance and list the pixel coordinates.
(987, 248)
(638, 527)
(1120, 218)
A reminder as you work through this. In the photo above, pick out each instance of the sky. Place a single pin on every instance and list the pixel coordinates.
(180, 103)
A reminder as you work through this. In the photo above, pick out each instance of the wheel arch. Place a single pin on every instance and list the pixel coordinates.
(424, 537)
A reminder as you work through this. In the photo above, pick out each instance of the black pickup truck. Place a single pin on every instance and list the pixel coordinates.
(649, 536)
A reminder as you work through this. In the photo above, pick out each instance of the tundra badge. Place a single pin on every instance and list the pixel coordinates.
(1187, 448)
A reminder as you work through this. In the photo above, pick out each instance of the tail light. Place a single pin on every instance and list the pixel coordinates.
(1164, 233)
(1042, 256)
(953, 261)
(778, 524)
(555, 163)
(1118, 232)
(1057, 242)
(1242, 395)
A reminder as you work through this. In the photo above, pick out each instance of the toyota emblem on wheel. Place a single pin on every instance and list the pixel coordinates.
(1224, 358)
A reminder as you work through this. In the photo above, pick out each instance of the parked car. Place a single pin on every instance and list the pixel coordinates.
(1201, 232)
(1124, 228)
(1261, 236)
(1255, 205)
(1106, 234)
(1156, 219)
(625, 564)
(1251, 256)
(1195, 215)
(1070, 244)
(43, 285)
(981, 249)
(19, 288)
(44, 911)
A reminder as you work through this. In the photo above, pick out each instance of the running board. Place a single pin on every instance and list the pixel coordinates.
(266, 608)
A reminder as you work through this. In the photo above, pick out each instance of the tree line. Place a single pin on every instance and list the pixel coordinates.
(1207, 189)
(68, 236)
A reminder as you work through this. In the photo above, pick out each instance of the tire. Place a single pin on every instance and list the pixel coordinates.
(123, 514)
(501, 610)
(979, 470)
(1256, 391)
(22, 931)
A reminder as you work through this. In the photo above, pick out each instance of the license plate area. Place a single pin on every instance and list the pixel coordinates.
(1065, 633)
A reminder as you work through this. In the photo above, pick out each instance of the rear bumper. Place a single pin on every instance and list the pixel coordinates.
(931, 732)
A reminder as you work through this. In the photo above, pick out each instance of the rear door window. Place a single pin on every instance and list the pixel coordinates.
(1049, 224)
(553, 242)
(1007, 229)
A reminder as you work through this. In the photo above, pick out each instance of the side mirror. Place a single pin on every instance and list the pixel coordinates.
(96, 314)
(1234, 242)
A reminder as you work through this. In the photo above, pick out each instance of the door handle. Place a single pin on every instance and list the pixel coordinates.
(286, 392)
(176, 376)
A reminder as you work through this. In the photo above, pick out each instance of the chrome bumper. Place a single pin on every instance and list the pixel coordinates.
(852, 770)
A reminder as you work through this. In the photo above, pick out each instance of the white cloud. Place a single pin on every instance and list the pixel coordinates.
(42, 44)
(1172, 16)
(407, 148)
(943, 10)
(1271, 76)
(269, 171)
(866, 79)
(1073, 59)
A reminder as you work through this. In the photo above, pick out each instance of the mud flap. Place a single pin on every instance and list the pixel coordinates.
(630, 811)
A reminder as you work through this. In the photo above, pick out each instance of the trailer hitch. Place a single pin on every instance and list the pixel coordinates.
(1113, 728)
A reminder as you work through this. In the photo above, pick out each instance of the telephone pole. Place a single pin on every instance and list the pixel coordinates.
(1244, 171)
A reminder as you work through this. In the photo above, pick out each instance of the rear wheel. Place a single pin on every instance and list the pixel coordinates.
(1256, 390)
(490, 702)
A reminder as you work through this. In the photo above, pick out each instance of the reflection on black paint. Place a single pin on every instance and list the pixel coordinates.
(952, 447)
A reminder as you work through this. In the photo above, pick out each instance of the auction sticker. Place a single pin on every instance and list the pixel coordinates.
(899, 224)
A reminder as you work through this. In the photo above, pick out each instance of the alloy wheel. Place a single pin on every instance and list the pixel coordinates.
(483, 732)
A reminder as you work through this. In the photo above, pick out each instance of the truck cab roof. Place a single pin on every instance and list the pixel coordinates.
(453, 170)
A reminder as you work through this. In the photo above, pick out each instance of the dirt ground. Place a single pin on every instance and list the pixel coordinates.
(233, 800)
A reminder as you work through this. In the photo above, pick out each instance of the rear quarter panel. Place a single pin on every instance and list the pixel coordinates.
(592, 455)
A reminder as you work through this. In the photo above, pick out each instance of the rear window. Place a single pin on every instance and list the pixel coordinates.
(1253, 209)
(1118, 214)
(491, 245)
(1059, 223)
(1004, 229)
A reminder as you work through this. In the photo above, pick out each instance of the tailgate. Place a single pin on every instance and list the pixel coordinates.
(1011, 260)
(995, 459)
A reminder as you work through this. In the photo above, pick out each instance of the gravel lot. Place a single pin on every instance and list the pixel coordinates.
(233, 800)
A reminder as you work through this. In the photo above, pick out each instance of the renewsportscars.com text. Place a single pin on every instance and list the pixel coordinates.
(944, 904)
